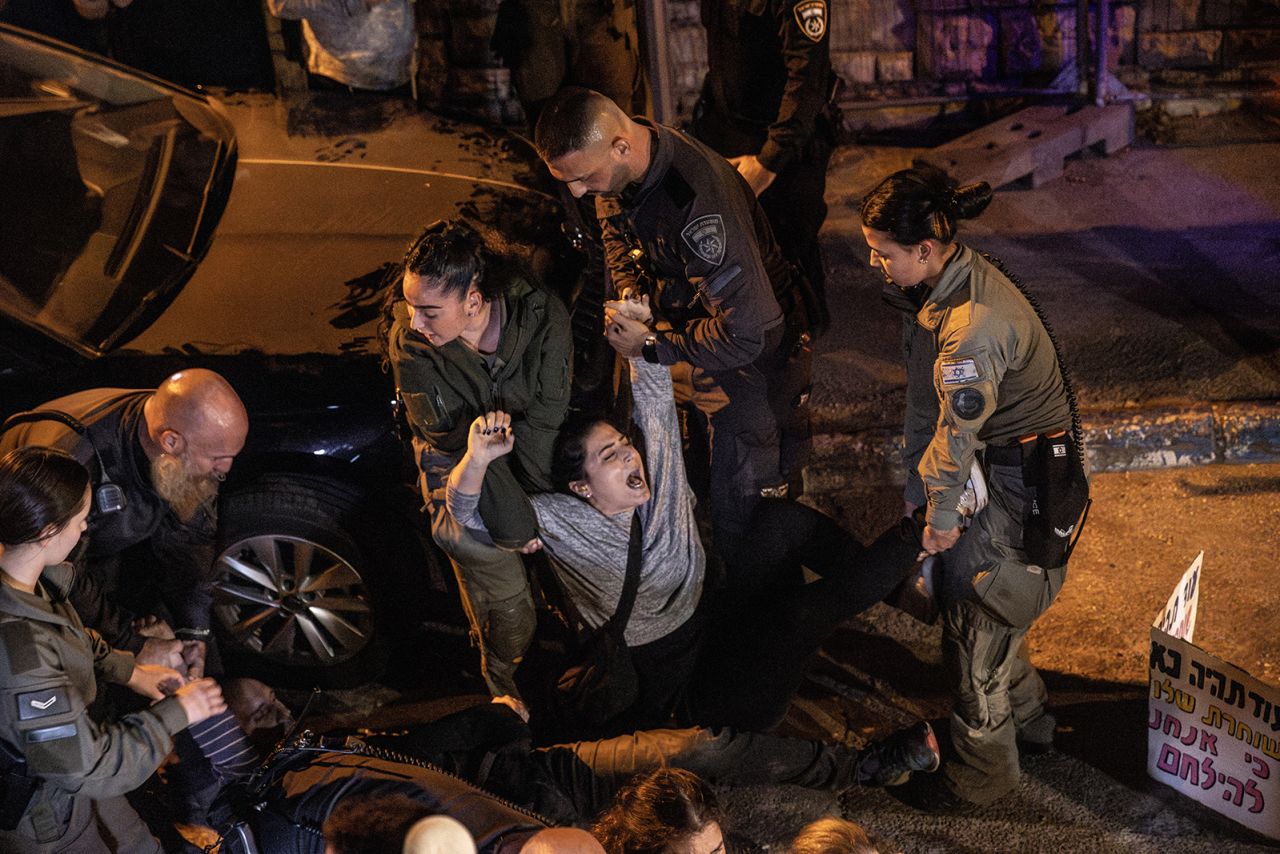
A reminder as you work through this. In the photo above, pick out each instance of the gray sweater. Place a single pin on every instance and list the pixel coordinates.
(589, 550)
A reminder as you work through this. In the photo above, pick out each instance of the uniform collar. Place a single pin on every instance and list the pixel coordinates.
(56, 581)
(660, 152)
(955, 277)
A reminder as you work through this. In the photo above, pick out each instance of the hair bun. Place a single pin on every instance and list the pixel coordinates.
(968, 201)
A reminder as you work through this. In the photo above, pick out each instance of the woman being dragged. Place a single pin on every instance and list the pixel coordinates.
(732, 661)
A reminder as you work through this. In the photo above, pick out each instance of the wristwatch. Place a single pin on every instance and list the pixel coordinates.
(650, 349)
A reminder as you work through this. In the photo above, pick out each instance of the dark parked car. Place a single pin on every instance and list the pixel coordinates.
(147, 228)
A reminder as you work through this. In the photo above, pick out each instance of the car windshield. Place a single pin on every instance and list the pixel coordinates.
(111, 184)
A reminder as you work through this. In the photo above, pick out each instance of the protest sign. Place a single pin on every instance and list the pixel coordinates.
(1213, 730)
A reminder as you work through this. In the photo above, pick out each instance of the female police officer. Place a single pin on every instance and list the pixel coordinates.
(467, 331)
(65, 774)
(984, 382)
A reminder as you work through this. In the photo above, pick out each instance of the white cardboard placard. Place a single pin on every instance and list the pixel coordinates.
(1213, 730)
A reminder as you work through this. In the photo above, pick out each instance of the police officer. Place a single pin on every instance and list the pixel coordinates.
(985, 383)
(549, 44)
(166, 451)
(65, 774)
(766, 105)
(682, 227)
(467, 331)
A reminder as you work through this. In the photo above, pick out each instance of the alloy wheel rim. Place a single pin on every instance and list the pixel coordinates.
(292, 600)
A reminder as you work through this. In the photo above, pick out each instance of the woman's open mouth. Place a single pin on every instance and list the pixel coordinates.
(635, 480)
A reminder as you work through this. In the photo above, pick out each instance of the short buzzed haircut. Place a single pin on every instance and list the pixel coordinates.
(567, 123)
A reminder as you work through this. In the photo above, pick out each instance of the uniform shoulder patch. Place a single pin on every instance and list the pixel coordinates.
(956, 371)
(811, 16)
(705, 236)
(43, 704)
(967, 403)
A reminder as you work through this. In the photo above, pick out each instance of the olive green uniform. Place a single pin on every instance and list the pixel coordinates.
(49, 668)
(443, 390)
(982, 375)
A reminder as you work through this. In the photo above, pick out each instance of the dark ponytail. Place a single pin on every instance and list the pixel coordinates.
(40, 488)
(454, 254)
(922, 202)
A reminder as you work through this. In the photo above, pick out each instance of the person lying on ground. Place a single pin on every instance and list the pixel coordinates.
(482, 757)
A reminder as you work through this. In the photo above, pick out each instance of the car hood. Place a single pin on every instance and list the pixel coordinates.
(317, 217)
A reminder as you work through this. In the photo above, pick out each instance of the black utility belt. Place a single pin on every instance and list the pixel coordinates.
(1012, 453)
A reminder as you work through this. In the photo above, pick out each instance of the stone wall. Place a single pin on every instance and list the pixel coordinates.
(894, 43)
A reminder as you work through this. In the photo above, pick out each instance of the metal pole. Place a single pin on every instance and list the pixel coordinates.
(652, 18)
(1082, 46)
(1100, 75)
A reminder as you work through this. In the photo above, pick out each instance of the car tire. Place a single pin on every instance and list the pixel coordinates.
(294, 598)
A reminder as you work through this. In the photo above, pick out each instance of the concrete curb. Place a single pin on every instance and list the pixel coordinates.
(1118, 440)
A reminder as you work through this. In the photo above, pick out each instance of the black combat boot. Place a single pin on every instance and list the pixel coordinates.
(890, 762)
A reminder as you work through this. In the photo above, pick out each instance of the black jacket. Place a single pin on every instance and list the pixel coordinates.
(716, 275)
(182, 552)
(768, 77)
(287, 804)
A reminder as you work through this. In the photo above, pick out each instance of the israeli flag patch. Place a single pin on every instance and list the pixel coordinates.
(959, 371)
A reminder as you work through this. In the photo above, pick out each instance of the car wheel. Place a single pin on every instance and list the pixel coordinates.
(292, 600)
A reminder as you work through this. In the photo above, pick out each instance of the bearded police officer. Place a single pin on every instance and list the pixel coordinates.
(157, 457)
(985, 384)
(766, 105)
(681, 227)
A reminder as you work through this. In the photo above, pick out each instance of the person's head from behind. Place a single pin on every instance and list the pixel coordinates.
(909, 221)
(195, 426)
(562, 840)
(44, 504)
(836, 836)
(667, 811)
(374, 824)
(589, 143)
(438, 834)
(443, 282)
(596, 462)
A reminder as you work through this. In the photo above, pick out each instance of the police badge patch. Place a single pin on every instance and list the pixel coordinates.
(705, 236)
(811, 15)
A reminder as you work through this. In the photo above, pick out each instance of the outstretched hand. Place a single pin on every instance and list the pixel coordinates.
(490, 437)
